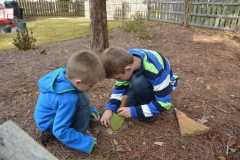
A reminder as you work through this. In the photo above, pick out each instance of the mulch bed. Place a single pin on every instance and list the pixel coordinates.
(207, 63)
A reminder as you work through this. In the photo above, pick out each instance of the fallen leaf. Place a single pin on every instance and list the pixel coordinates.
(163, 154)
(115, 142)
(219, 151)
(232, 80)
(221, 158)
(208, 87)
(231, 142)
(1, 104)
(159, 143)
(135, 152)
(232, 150)
(203, 120)
(128, 148)
(119, 149)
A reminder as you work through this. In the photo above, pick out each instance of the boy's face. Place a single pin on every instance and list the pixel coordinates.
(123, 77)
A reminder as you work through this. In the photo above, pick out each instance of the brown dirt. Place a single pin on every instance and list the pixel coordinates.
(207, 62)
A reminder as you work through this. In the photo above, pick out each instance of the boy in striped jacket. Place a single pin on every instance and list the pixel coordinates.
(145, 76)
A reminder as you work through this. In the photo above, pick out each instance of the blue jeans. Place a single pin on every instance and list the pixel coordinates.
(81, 118)
(140, 91)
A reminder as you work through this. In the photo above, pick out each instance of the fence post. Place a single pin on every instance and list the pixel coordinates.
(238, 26)
(77, 7)
(186, 14)
(123, 5)
(148, 9)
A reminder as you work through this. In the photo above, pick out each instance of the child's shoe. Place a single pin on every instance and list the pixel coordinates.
(45, 137)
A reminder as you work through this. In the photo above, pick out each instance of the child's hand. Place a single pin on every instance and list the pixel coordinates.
(124, 112)
(106, 118)
(96, 117)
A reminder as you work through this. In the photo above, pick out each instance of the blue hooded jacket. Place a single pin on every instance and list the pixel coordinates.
(56, 106)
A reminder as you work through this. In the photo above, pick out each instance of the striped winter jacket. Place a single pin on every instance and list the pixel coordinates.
(156, 68)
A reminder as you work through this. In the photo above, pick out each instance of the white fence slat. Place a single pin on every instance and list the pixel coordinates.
(222, 22)
(230, 12)
(236, 13)
(208, 12)
(212, 13)
(204, 12)
(194, 11)
(219, 9)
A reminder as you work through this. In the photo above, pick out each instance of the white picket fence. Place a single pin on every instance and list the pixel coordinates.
(160, 10)
(216, 14)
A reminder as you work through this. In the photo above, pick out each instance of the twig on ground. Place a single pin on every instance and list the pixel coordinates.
(189, 86)
(218, 108)
(194, 149)
(173, 157)
(27, 75)
(227, 150)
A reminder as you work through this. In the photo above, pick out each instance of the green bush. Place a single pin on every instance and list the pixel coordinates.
(137, 25)
(24, 41)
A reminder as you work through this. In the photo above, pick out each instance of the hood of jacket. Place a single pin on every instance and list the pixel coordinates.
(56, 82)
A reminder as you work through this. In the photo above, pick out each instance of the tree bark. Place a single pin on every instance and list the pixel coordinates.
(98, 26)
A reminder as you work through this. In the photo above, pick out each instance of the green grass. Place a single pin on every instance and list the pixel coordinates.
(55, 29)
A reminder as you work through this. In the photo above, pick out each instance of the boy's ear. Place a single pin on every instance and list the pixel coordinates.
(128, 67)
(78, 81)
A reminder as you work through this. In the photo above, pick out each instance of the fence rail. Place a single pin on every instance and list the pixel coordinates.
(58, 8)
(216, 14)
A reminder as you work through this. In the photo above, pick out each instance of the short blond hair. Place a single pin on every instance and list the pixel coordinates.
(114, 60)
(86, 66)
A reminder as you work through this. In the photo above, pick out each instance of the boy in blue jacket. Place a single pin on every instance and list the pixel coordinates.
(63, 107)
(145, 76)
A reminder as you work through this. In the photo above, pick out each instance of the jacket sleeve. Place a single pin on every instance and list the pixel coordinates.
(162, 88)
(93, 110)
(67, 135)
(117, 95)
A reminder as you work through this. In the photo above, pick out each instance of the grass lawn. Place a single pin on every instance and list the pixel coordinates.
(55, 29)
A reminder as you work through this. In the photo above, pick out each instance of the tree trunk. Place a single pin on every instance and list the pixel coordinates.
(98, 27)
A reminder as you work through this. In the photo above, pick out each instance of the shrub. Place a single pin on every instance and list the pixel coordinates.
(137, 25)
(24, 41)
